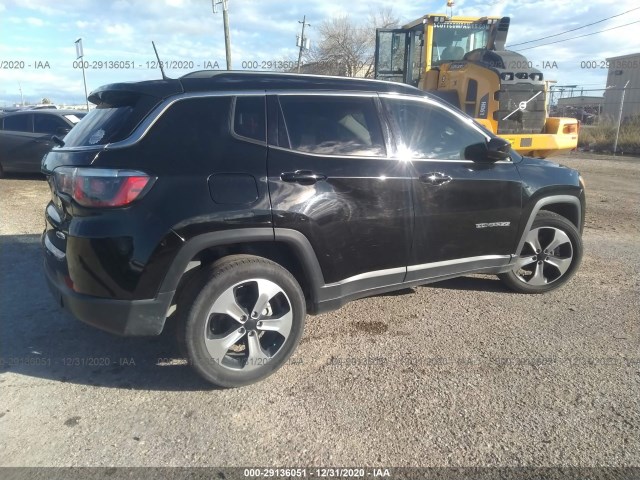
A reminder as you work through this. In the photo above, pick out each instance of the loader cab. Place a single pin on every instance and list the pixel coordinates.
(453, 40)
(409, 53)
(399, 55)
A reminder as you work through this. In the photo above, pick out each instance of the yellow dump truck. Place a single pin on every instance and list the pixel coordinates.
(463, 61)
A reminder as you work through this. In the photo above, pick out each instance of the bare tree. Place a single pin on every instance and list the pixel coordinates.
(346, 48)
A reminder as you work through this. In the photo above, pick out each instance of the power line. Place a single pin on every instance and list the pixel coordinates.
(557, 90)
(574, 29)
(578, 36)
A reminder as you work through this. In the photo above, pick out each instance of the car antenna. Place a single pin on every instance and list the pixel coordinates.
(164, 77)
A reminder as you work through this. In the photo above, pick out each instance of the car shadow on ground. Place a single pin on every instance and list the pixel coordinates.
(23, 176)
(39, 339)
(490, 284)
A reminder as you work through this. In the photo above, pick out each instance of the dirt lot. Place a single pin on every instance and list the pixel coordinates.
(460, 373)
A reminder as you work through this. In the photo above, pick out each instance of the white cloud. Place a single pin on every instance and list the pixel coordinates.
(119, 30)
(40, 6)
(34, 22)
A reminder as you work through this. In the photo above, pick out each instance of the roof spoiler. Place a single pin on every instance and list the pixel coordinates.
(127, 93)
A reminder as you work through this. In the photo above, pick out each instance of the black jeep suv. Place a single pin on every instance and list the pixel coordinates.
(240, 202)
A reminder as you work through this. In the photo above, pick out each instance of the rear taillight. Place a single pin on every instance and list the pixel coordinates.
(101, 187)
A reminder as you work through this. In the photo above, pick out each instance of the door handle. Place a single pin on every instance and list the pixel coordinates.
(435, 178)
(305, 177)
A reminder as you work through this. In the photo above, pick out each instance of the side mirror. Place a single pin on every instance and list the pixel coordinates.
(492, 151)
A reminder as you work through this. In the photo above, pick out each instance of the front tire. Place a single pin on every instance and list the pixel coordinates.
(244, 319)
(551, 255)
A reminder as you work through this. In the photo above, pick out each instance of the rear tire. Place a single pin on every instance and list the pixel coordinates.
(551, 255)
(240, 320)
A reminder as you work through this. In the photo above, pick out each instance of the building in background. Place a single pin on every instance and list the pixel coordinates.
(585, 108)
(623, 69)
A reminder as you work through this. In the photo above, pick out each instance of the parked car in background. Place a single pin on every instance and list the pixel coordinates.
(26, 136)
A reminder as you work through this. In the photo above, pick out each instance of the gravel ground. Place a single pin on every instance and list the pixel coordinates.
(459, 373)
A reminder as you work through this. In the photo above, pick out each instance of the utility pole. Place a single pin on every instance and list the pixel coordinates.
(225, 21)
(21, 95)
(80, 55)
(302, 41)
(615, 145)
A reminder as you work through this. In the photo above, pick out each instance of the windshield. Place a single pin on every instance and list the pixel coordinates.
(452, 40)
(74, 117)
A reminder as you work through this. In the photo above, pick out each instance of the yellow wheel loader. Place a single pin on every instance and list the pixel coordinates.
(463, 61)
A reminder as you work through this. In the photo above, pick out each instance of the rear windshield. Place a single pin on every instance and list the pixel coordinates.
(99, 127)
(109, 123)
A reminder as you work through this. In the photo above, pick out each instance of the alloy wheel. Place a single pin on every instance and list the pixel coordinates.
(248, 324)
(546, 256)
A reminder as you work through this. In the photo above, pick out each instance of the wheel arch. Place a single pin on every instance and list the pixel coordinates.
(288, 248)
(568, 206)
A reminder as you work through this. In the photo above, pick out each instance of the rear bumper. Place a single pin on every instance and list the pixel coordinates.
(122, 317)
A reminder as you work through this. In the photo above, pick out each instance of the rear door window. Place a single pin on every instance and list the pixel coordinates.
(18, 123)
(43, 123)
(333, 125)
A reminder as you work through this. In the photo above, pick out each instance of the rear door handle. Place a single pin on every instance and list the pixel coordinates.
(305, 177)
(435, 178)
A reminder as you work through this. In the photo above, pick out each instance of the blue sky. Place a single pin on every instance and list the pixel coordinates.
(39, 31)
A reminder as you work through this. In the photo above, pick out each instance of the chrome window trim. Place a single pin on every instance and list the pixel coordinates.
(150, 120)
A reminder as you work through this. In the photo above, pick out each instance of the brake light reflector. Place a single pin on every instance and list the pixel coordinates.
(101, 187)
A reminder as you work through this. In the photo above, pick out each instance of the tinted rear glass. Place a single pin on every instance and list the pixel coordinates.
(43, 123)
(109, 123)
(99, 127)
(18, 123)
(249, 119)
